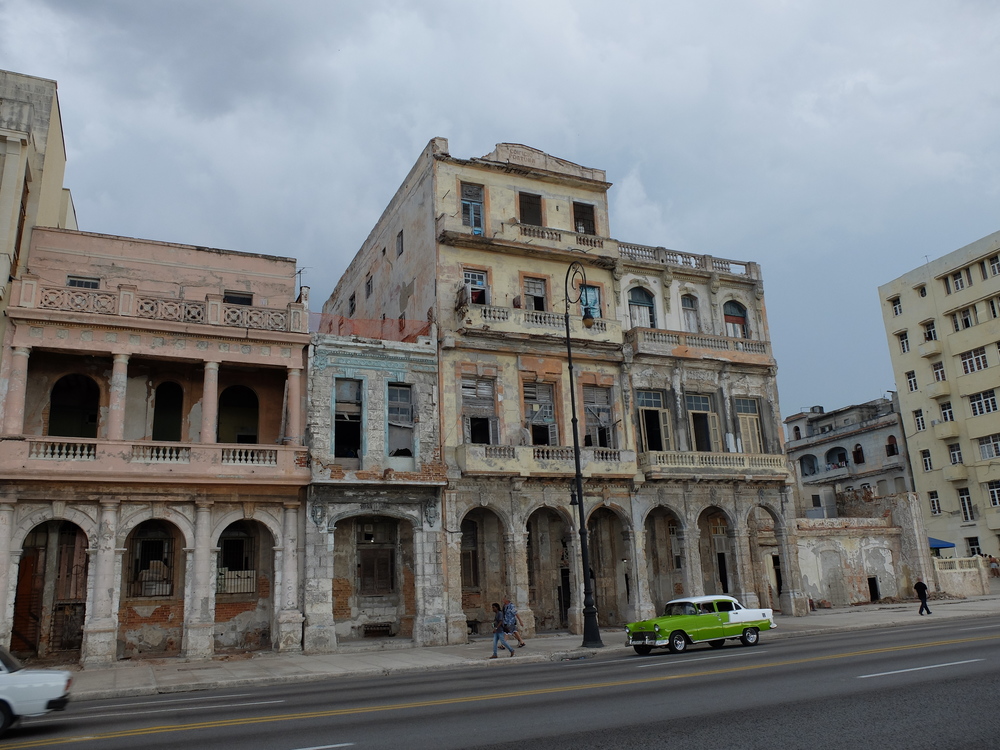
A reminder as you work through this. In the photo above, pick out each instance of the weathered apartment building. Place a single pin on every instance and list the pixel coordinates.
(686, 486)
(152, 466)
(941, 322)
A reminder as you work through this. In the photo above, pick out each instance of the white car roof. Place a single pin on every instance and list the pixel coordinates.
(697, 599)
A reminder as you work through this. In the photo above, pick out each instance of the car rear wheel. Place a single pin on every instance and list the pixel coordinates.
(678, 642)
(750, 637)
(643, 650)
(717, 644)
(6, 717)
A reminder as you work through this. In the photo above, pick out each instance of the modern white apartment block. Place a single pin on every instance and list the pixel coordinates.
(942, 322)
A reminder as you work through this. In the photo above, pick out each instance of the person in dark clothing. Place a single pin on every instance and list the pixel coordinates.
(921, 588)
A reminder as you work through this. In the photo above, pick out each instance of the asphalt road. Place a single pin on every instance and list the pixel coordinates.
(926, 686)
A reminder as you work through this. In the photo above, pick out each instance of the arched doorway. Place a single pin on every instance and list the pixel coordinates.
(664, 557)
(549, 588)
(168, 412)
(717, 558)
(484, 565)
(73, 407)
(611, 566)
(244, 582)
(736, 320)
(769, 570)
(374, 577)
(238, 415)
(51, 597)
(151, 616)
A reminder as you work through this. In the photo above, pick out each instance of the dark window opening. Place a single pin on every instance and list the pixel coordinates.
(237, 561)
(151, 572)
(531, 209)
(583, 218)
(470, 555)
(168, 407)
(237, 298)
(376, 546)
(238, 415)
(702, 432)
(73, 407)
(347, 419)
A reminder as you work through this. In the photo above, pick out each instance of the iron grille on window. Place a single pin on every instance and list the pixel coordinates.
(152, 571)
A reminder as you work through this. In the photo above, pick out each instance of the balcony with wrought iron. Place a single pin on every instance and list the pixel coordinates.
(512, 320)
(543, 460)
(29, 456)
(698, 346)
(680, 464)
(129, 302)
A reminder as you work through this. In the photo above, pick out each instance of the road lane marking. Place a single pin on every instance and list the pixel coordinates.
(118, 715)
(326, 747)
(700, 658)
(168, 700)
(244, 721)
(981, 627)
(917, 669)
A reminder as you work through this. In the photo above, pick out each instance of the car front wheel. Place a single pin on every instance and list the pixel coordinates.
(749, 637)
(6, 717)
(643, 650)
(678, 642)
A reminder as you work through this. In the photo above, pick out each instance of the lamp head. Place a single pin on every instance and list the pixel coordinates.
(588, 318)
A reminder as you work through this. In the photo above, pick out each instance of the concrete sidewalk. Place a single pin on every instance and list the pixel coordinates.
(389, 656)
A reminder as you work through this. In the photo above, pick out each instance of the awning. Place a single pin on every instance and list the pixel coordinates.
(939, 543)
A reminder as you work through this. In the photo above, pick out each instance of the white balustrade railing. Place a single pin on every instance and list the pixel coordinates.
(250, 456)
(160, 454)
(55, 450)
(697, 460)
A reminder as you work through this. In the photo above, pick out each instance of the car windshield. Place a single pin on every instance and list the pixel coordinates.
(9, 662)
(680, 608)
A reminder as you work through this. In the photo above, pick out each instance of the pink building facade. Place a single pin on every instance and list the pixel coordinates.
(152, 466)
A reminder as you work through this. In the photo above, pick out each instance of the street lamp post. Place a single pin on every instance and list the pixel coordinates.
(591, 630)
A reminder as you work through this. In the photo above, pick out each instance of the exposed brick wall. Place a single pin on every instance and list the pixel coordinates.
(171, 613)
(226, 611)
(342, 591)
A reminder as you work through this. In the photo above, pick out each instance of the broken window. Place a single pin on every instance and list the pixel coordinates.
(704, 423)
(376, 546)
(400, 413)
(531, 209)
(598, 425)
(641, 310)
(347, 422)
(539, 414)
(689, 306)
(749, 420)
(583, 218)
(736, 320)
(478, 289)
(654, 421)
(534, 294)
(479, 419)
(472, 207)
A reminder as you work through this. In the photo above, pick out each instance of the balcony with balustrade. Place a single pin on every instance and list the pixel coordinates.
(732, 466)
(511, 320)
(64, 458)
(698, 346)
(543, 460)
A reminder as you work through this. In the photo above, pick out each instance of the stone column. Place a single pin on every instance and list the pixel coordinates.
(629, 567)
(100, 634)
(744, 589)
(694, 577)
(574, 614)
(13, 416)
(516, 552)
(319, 632)
(116, 407)
(293, 424)
(644, 605)
(290, 617)
(458, 630)
(199, 609)
(8, 566)
(210, 403)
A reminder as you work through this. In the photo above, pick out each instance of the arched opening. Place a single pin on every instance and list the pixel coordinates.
(168, 406)
(549, 586)
(689, 309)
(891, 448)
(836, 458)
(151, 617)
(610, 564)
(484, 566)
(768, 572)
(51, 596)
(808, 465)
(373, 587)
(796, 433)
(664, 557)
(718, 572)
(858, 454)
(641, 310)
(73, 407)
(736, 320)
(238, 415)
(244, 580)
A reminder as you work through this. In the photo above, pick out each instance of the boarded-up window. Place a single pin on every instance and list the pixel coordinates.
(479, 420)
(539, 414)
(598, 427)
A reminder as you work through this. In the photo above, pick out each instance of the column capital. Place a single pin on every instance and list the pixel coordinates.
(21, 351)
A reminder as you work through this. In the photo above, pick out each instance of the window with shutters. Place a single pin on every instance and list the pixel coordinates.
(641, 310)
(352, 304)
(654, 421)
(704, 423)
(583, 218)
(534, 294)
(540, 415)
(478, 286)
(736, 320)
(858, 454)
(347, 422)
(472, 207)
(598, 424)
(689, 308)
(400, 415)
(376, 547)
(530, 209)
(470, 555)
(748, 413)
(479, 418)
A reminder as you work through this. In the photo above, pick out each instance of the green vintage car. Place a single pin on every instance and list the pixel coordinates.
(699, 619)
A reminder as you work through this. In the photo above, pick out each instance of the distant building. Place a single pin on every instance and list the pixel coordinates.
(941, 322)
(860, 447)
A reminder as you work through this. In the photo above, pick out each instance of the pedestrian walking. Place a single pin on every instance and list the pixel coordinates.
(498, 634)
(921, 588)
(512, 621)
(994, 567)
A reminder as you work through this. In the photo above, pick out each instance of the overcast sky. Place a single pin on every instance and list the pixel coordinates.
(838, 144)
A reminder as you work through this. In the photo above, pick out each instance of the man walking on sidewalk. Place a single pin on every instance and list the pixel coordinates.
(921, 588)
